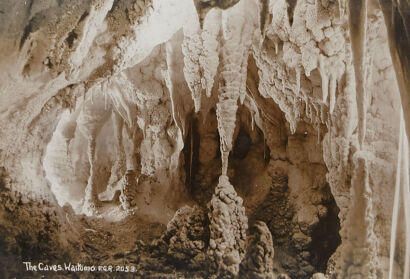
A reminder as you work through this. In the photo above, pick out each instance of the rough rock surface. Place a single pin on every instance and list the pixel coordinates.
(296, 103)
(129, 190)
(228, 225)
(187, 237)
(258, 261)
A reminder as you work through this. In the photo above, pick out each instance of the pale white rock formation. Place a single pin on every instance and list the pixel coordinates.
(234, 53)
(358, 37)
(129, 190)
(112, 105)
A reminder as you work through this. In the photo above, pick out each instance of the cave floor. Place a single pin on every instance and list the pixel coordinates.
(107, 240)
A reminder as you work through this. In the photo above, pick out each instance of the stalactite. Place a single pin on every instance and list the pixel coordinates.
(396, 16)
(401, 190)
(226, 116)
(358, 37)
(192, 48)
(254, 109)
(173, 52)
(170, 53)
(209, 58)
(325, 78)
(263, 16)
(243, 73)
(119, 104)
(170, 87)
(229, 93)
(234, 55)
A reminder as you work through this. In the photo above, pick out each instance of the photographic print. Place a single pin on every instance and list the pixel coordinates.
(196, 139)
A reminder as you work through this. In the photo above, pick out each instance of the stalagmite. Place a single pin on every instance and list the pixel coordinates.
(228, 225)
(69, 128)
(119, 164)
(90, 199)
(358, 37)
(259, 258)
(361, 237)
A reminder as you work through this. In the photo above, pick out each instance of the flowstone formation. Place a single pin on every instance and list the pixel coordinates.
(129, 190)
(227, 138)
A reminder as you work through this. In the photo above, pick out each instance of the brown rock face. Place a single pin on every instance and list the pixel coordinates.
(258, 261)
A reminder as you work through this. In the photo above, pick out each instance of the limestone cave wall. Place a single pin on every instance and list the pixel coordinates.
(205, 138)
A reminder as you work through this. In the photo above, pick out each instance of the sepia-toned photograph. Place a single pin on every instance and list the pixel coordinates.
(204, 139)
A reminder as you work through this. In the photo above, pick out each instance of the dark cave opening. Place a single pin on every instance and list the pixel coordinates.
(202, 157)
(242, 145)
(72, 36)
(326, 237)
(248, 159)
(298, 256)
(250, 164)
(191, 154)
